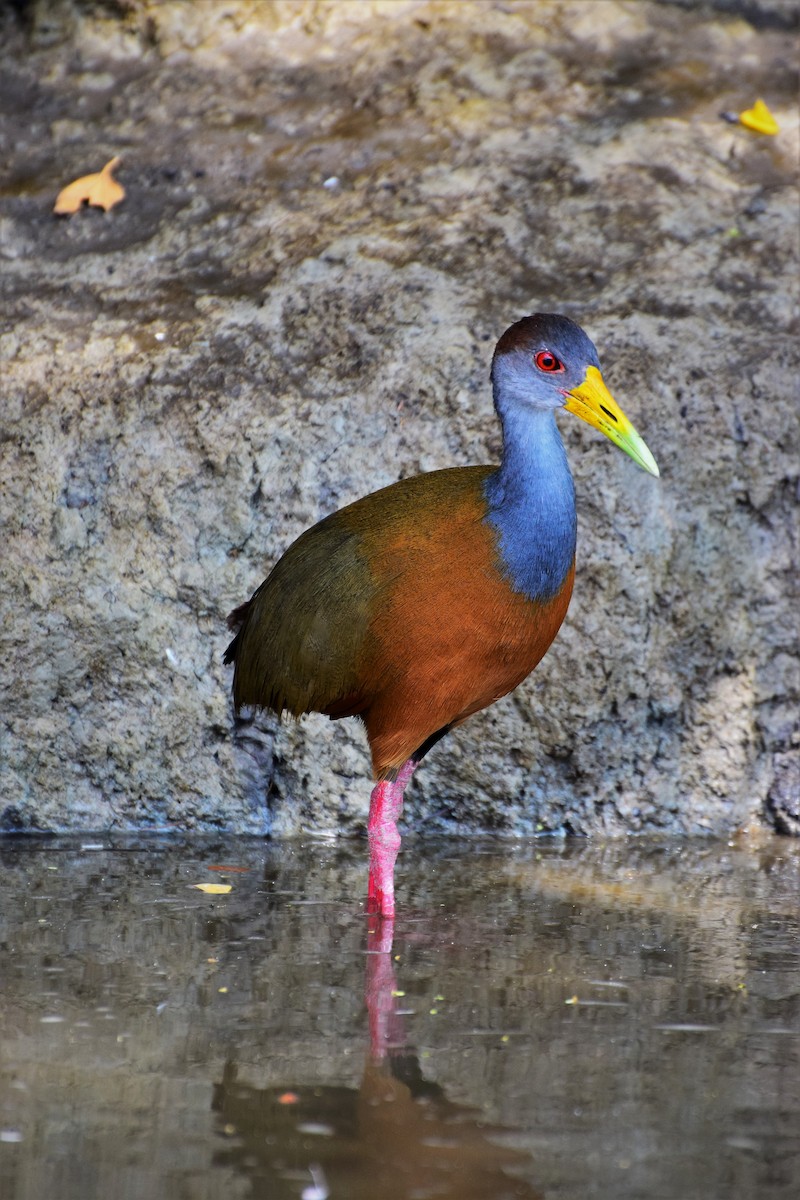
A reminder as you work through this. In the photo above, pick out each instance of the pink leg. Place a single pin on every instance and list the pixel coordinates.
(385, 807)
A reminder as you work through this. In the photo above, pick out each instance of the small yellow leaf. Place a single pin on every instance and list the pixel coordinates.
(213, 889)
(759, 119)
(100, 191)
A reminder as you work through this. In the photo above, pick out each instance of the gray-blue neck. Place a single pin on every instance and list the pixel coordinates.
(531, 502)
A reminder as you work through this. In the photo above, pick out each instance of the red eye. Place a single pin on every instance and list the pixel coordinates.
(547, 361)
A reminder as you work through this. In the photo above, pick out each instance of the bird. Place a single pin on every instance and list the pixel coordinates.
(422, 603)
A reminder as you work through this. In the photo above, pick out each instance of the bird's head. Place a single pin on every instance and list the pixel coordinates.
(547, 362)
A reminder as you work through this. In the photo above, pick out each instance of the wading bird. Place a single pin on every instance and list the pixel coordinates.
(424, 602)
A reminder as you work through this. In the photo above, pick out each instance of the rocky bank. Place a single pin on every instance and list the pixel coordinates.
(333, 210)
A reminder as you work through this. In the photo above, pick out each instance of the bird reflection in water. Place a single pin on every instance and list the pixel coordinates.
(394, 1136)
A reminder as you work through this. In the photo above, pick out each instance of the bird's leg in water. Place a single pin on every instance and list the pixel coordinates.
(385, 807)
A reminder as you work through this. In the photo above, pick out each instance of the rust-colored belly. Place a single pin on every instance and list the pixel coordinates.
(451, 637)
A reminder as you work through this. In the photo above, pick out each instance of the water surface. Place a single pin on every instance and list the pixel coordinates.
(544, 1020)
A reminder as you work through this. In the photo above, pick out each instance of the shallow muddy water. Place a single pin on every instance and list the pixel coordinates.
(544, 1020)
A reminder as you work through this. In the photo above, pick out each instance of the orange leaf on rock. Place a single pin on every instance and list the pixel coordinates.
(99, 191)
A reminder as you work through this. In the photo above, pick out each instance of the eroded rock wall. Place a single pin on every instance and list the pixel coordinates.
(332, 213)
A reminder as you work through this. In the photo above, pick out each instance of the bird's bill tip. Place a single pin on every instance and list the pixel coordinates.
(593, 403)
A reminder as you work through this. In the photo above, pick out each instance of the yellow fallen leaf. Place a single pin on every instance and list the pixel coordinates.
(759, 119)
(100, 191)
(213, 889)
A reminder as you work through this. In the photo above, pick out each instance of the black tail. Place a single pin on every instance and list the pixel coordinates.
(236, 620)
